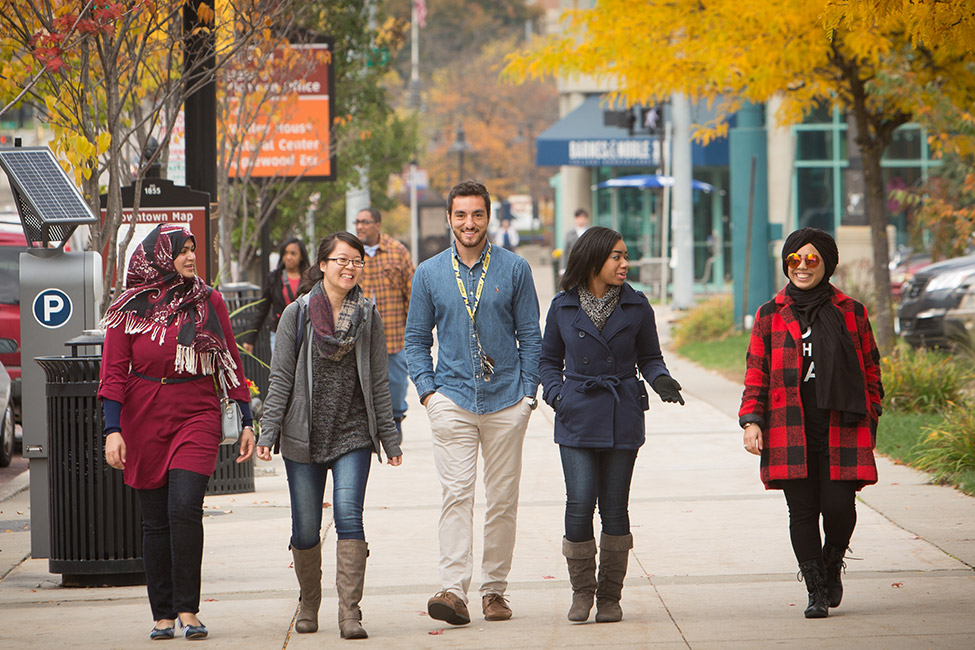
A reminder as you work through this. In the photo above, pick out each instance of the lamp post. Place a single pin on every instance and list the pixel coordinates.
(459, 146)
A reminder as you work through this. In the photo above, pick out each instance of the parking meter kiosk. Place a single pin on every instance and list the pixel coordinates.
(60, 292)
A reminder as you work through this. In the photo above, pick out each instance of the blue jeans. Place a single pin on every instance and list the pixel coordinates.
(306, 483)
(398, 383)
(172, 543)
(596, 476)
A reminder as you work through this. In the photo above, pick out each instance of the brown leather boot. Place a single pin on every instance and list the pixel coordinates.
(581, 560)
(308, 568)
(350, 576)
(614, 552)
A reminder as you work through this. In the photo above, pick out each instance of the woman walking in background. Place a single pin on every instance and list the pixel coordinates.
(598, 333)
(810, 408)
(168, 341)
(280, 290)
(328, 406)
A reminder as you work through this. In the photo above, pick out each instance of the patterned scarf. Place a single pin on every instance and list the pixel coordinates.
(336, 336)
(158, 296)
(599, 309)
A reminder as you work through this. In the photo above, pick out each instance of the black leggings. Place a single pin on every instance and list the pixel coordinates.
(816, 495)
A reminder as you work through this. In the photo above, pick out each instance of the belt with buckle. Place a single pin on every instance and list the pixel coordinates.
(168, 380)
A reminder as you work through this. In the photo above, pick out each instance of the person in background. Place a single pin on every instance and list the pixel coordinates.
(328, 407)
(810, 408)
(598, 333)
(481, 300)
(168, 343)
(581, 224)
(280, 290)
(507, 235)
(386, 280)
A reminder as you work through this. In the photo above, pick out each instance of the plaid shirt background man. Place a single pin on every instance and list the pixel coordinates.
(386, 280)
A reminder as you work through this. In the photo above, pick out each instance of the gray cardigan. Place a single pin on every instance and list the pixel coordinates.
(287, 406)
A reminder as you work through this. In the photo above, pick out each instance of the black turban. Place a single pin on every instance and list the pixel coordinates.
(822, 240)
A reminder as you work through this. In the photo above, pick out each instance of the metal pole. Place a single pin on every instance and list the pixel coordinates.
(665, 220)
(683, 204)
(415, 102)
(746, 316)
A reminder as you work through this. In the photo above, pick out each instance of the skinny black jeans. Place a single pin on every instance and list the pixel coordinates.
(814, 496)
(172, 543)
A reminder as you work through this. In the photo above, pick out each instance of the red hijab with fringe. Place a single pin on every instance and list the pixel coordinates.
(158, 296)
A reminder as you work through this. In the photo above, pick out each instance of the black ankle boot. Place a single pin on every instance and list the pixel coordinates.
(834, 565)
(815, 577)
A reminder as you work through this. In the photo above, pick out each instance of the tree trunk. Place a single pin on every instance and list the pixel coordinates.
(873, 180)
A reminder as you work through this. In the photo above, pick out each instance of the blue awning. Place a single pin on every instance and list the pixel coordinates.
(580, 138)
(652, 180)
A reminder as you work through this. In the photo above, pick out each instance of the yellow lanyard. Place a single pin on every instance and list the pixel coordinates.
(480, 283)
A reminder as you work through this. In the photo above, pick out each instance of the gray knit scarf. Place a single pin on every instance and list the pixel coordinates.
(599, 309)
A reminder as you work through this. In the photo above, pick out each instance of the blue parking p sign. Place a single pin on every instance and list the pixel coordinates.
(52, 308)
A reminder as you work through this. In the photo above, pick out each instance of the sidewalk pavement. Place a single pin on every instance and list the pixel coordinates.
(712, 565)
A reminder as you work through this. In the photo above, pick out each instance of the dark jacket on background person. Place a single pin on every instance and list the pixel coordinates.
(272, 302)
(772, 399)
(603, 400)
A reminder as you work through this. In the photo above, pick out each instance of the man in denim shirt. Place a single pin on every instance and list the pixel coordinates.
(481, 299)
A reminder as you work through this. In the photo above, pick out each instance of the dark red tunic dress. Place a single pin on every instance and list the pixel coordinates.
(164, 426)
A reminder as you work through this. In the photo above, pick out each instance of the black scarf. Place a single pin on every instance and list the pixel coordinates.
(839, 380)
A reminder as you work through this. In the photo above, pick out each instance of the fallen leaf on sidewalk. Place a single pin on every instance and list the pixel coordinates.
(435, 632)
(210, 600)
(897, 584)
(20, 512)
(548, 577)
(422, 613)
(326, 505)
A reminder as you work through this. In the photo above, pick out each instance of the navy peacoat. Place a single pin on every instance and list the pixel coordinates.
(603, 401)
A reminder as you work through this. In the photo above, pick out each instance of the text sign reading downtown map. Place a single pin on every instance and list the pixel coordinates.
(289, 137)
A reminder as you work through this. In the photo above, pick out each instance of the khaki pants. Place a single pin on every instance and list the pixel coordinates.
(457, 434)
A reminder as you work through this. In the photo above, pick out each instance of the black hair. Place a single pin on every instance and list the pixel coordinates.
(376, 215)
(581, 212)
(468, 188)
(314, 273)
(588, 255)
(303, 261)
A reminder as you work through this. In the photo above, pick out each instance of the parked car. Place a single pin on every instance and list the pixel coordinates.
(12, 243)
(937, 306)
(6, 420)
(903, 265)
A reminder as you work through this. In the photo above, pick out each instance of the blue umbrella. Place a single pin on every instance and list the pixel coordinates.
(651, 181)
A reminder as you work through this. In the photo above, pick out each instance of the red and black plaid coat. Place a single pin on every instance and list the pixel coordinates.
(771, 397)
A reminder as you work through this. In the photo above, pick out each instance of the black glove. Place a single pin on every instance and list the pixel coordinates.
(668, 389)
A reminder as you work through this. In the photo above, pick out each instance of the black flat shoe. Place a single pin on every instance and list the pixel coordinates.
(161, 633)
(194, 632)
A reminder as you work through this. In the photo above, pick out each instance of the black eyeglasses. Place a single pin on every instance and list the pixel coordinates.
(344, 261)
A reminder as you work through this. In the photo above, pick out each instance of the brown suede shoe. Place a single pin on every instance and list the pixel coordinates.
(449, 608)
(495, 608)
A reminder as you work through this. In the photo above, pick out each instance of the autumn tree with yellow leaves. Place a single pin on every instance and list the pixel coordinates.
(106, 75)
(810, 54)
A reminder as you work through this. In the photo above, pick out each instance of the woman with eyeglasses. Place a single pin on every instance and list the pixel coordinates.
(328, 408)
(810, 409)
(598, 333)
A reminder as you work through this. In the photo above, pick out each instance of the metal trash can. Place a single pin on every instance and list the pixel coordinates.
(96, 522)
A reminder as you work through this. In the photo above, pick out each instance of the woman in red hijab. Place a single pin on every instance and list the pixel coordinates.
(168, 341)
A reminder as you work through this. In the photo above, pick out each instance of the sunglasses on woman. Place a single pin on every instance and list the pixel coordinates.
(795, 259)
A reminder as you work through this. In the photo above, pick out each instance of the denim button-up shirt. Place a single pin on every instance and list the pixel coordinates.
(507, 325)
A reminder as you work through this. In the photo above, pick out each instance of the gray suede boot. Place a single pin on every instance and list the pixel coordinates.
(614, 551)
(581, 560)
(350, 576)
(308, 568)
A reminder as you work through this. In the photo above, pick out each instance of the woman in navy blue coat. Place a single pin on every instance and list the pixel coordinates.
(598, 333)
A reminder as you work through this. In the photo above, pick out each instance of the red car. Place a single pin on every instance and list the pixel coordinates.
(12, 243)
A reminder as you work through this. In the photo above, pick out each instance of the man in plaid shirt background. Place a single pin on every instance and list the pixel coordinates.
(386, 280)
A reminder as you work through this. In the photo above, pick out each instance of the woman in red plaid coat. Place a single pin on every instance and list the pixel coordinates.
(810, 408)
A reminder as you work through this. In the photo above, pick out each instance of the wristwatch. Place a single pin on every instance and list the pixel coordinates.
(533, 404)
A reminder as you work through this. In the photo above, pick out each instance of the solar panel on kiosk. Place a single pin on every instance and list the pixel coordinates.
(50, 205)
